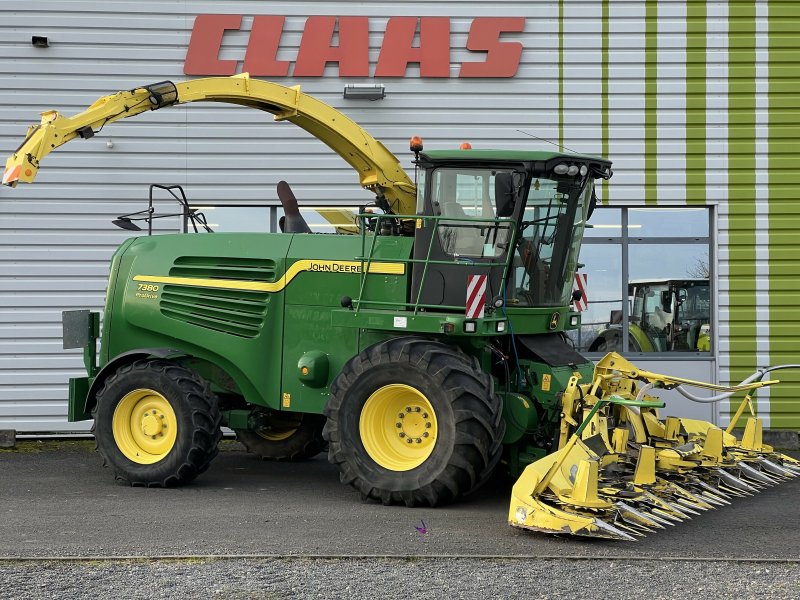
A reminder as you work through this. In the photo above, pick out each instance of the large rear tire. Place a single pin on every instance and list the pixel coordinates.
(294, 437)
(156, 424)
(414, 421)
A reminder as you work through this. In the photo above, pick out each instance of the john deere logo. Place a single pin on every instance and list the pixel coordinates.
(554, 320)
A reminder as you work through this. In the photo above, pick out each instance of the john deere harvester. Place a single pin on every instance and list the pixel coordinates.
(424, 343)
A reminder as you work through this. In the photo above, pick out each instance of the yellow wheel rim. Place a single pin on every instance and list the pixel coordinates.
(144, 426)
(398, 427)
(280, 429)
(276, 435)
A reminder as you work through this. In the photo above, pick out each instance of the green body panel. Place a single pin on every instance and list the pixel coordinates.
(311, 299)
(520, 415)
(256, 337)
(78, 391)
(250, 356)
(532, 414)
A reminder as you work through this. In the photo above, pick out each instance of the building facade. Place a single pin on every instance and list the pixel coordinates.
(695, 102)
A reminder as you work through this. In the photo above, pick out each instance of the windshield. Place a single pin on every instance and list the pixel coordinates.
(551, 232)
(479, 194)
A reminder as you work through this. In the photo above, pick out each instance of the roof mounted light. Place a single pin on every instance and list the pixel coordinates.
(465, 146)
(561, 169)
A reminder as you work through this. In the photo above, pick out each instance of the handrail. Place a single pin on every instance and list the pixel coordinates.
(465, 262)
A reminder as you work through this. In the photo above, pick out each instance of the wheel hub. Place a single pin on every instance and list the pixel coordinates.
(145, 426)
(153, 424)
(398, 427)
(413, 425)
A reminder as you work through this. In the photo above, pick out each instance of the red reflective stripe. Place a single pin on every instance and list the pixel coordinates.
(581, 281)
(476, 296)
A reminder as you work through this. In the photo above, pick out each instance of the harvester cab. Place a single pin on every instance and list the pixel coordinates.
(515, 219)
(424, 351)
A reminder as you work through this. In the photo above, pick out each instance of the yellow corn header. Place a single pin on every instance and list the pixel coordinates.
(621, 471)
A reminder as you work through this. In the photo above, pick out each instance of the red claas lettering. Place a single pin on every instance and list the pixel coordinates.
(345, 42)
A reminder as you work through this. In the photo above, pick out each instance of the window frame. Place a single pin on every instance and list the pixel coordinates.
(625, 240)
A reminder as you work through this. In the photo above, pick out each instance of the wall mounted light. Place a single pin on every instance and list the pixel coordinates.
(39, 41)
(364, 91)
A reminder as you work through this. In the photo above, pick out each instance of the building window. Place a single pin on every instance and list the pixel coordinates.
(649, 282)
(266, 218)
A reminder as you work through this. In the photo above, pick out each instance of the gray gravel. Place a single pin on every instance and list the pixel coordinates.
(400, 578)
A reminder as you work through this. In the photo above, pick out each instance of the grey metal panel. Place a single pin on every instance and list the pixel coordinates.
(55, 236)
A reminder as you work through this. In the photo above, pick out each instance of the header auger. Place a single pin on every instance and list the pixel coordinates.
(621, 472)
(425, 350)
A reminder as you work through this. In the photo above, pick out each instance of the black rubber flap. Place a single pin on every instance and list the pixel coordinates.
(551, 349)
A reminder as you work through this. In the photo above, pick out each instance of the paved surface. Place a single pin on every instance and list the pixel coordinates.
(62, 502)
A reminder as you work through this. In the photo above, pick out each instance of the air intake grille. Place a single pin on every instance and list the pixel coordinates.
(240, 269)
(235, 312)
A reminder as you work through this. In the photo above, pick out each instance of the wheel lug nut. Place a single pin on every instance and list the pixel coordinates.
(417, 409)
(398, 425)
(409, 440)
(427, 425)
(154, 412)
(401, 416)
(426, 434)
(419, 441)
(424, 415)
(401, 434)
(408, 409)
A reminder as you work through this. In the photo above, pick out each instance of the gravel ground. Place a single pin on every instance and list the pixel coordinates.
(399, 578)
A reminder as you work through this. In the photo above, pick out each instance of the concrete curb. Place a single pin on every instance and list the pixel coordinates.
(8, 438)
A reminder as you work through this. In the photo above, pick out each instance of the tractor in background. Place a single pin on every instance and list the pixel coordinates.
(667, 315)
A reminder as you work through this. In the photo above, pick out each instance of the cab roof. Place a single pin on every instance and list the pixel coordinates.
(504, 155)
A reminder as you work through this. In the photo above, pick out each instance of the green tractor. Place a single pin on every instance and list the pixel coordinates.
(667, 315)
(424, 343)
(423, 349)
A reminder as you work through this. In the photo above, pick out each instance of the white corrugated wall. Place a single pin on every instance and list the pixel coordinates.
(56, 237)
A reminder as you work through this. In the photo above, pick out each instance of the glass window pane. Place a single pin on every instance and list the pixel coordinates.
(603, 315)
(227, 219)
(605, 223)
(472, 194)
(670, 299)
(328, 219)
(667, 222)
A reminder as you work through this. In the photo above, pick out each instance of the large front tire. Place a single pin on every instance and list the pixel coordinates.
(414, 421)
(156, 424)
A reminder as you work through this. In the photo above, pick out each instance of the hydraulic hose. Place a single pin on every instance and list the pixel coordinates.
(754, 377)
